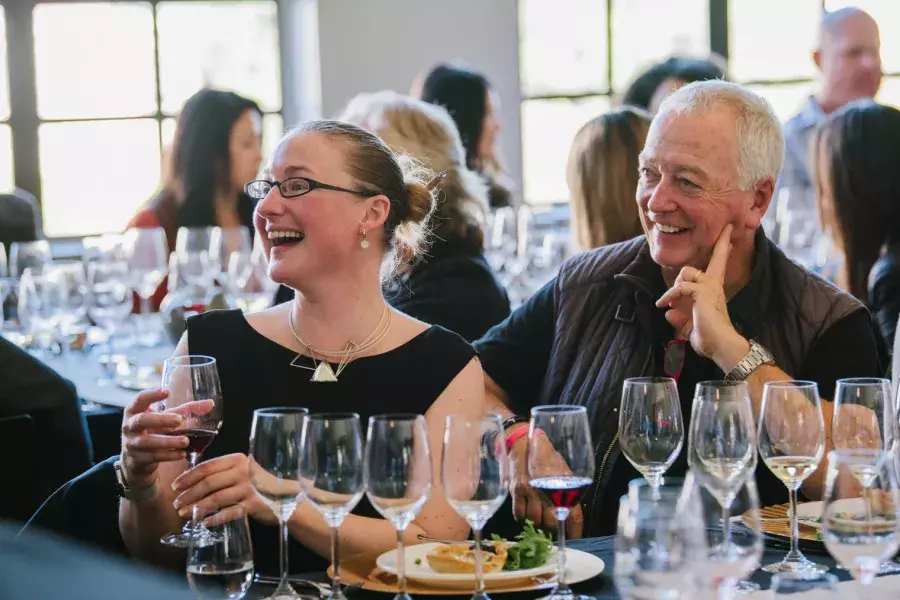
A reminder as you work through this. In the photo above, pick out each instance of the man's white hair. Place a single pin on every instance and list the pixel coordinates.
(758, 133)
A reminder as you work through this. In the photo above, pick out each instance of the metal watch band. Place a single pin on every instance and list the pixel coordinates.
(129, 493)
(754, 358)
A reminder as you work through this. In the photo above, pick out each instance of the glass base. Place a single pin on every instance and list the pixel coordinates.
(745, 588)
(187, 537)
(286, 592)
(802, 567)
(564, 596)
(887, 567)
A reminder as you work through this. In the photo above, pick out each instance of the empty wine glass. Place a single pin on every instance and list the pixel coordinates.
(224, 241)
(722, 446)
(733, 552)
(109, 300)
(475, 476)
(196, 394)
(28, 255)
(70, 277)
(864, 417)
(791, 440)
(248, 282)
(561, 468)
(397, 475)
(651, 429)
(331, 474)
(659, 540)
(147, 253)
(40, 304)
(274, 460)
(859, 523)
(196, 265)
(221, 567)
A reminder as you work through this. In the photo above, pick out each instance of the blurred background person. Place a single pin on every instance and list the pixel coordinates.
(473, 104)
(217, 149)
(651, 87)
(452, 285)
(857, 153)
(602, 174)
(848, 58)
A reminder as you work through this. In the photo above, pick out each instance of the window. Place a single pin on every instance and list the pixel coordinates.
(109, 80)
(571, 69)
(6, 155)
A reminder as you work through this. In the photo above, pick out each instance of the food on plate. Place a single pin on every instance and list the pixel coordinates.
(460, 558)
(531, 550)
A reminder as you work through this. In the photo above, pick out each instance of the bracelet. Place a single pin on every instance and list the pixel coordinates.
(518, 434)
(514, 420)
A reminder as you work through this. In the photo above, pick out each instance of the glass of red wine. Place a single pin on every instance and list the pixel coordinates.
(196, 394)
(561, 468)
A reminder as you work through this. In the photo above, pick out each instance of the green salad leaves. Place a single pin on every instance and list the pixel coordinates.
(532, 548)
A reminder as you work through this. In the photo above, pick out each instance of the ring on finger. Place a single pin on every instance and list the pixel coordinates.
(696, 276)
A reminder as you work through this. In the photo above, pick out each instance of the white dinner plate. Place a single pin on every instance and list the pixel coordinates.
(580, 566)
(810, 513)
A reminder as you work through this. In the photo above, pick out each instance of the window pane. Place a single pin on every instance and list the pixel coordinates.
(4, 73)
(95, 175)
(645, 32)
(887, 14)
(94, 60)
(772, 39)
(890, 92)
(561, 52)
(6, 159)
(273, 131)
(786, 99)
(548, 128)
(225, 45)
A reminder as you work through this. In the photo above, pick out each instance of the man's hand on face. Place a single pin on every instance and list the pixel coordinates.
(697, 309)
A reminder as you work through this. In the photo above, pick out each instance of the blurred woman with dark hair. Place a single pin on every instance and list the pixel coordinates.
(857, 157)
(467, 95)
(651, 87)
(217, 149)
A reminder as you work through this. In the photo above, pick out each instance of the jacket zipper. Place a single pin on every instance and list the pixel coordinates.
(612, 445)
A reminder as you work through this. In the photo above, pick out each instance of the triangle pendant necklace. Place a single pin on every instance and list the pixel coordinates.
(323, 372)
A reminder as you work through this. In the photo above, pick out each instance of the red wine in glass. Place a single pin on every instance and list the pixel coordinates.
(562, 492)
(198, 439)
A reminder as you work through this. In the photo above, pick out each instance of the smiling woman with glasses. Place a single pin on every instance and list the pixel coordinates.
(337, 346)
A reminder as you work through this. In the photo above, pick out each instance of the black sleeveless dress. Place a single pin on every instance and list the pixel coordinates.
(255, 373)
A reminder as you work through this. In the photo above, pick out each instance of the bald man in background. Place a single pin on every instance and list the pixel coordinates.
(848, 55)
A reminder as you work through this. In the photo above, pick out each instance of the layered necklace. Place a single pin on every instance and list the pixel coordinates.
(322, 371)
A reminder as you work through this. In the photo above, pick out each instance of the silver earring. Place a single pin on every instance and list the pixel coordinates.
(365, 242)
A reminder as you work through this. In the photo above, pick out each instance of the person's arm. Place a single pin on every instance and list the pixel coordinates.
(884, 302)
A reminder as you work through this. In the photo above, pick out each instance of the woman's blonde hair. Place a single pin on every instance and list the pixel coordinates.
(427, 133)
(603, 173)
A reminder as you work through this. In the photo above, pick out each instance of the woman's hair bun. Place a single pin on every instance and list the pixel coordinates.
(419, 200)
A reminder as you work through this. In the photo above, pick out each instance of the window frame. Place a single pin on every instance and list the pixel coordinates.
(24, 119)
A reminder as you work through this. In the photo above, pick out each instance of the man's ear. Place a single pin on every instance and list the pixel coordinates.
(762, 198)
(377, 210)
(817, 58)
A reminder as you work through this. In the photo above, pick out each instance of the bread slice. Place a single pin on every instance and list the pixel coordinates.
(460, 558)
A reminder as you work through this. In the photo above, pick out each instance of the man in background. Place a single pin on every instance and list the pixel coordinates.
(848, 55)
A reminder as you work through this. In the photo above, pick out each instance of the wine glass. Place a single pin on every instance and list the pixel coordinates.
(791, 441)
(733, 552)
(223, 242)
(5, 283)
(248, 282)
(651, 429)
(397, 475)
(864, 417)
(40, 303)
(147, 253)
(860, 526)
(561, 468)
(722, 445)
(221, 567)
(109, 301)
(659, 540)
(196, 394)
(331, 474)
(475, 476)
(28, 255)
(274, 460)
(70, 276)
(789, 584)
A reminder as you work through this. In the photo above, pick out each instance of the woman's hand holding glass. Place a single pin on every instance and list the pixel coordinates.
(143, 445)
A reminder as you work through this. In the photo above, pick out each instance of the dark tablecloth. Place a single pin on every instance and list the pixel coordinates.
(601, 587)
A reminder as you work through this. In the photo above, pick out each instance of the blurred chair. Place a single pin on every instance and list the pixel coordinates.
(19, 477)
(20, 218)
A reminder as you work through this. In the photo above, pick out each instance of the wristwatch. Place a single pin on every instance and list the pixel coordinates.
(130, 493)
(756, 357)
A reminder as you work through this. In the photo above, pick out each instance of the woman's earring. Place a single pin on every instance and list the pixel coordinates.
(365, 242)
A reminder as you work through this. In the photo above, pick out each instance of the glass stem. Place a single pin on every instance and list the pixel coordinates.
(145, 306)
(401, 564)
(479, 564)
(726, 528)
(335, 560)
(794, 555)
(283, 552)
(561, 515)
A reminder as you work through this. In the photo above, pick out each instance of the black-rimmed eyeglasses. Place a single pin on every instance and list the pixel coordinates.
(292, 187)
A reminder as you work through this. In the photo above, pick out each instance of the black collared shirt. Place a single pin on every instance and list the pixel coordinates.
(516, 353)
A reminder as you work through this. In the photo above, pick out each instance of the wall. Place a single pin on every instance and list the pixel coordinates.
(370, 45)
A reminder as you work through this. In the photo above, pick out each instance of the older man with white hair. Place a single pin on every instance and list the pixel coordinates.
(703, 295)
